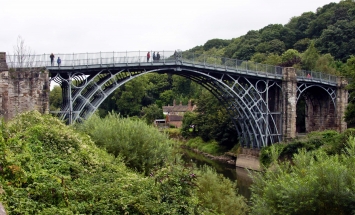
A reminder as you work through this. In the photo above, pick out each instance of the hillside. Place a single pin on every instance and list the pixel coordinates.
(330, 28)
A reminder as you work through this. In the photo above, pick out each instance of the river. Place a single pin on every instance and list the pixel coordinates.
(233, 173)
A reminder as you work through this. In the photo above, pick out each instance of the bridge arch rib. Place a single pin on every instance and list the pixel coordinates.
(246, 98)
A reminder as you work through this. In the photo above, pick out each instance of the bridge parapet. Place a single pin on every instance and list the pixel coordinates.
(113, 59)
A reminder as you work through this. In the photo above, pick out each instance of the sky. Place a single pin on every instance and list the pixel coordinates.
(81, 26)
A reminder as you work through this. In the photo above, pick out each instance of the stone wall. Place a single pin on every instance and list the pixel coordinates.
(23, 90)
(3, 65)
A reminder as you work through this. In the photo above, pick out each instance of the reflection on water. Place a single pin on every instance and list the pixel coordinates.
(233, 173)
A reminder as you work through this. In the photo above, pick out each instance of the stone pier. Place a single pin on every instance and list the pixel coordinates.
(22, 90)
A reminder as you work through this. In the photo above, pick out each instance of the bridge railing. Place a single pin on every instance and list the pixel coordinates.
(112, 58)
(232, 64)
(85, 59)
(316, 76)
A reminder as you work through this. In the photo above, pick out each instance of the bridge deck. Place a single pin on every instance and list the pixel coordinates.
(89, 62)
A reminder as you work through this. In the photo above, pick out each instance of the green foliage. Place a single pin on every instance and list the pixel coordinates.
(302, 44)
(310, 57)
(219, 194)
(290, 57)
(210, 147)
(151, 113)
(140, 145)
(212, 122)
(316, 183)
(47, 167)
(273, 59)
(166, 97)
(330, 140)
(173, 133)
(55, 98)
(325, 63)
(349, 71)
(188, 128)
(215, 43)
(129, 96)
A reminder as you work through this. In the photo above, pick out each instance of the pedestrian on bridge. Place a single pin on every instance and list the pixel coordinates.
(154, 57)
(158, 56)
(59, 61)
(52, 58)
(148, 56)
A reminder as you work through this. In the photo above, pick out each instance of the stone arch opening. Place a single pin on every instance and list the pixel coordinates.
(316, 111)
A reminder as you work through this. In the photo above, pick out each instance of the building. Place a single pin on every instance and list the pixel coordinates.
(174, 114)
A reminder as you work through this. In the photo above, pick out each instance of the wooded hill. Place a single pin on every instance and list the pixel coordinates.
(331, 28)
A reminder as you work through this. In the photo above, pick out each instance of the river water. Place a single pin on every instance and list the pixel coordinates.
(229, 171)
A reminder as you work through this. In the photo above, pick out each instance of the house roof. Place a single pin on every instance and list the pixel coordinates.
(178, 108)
(174, 118)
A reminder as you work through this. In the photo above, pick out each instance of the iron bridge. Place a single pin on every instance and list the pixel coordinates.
(251, 92)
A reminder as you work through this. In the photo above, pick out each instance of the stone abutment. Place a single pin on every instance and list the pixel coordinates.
(22, 90)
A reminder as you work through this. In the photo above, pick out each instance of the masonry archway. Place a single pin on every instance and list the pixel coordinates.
(316, 109)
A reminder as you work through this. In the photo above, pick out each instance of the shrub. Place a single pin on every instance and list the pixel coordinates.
(47, 167)
(142, 146)
(210, 147)
(316, 183)
(219, 194)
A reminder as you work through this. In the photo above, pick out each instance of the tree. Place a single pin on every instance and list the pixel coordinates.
(326, 64)
(215, 43)
(152, 112)
(310, 57)
(213, 121)
(259, 57)
(23, 55)
(349, 71)
(290, 58)
(273, 59)
(302, 45)
(129, 96)
(55, 98)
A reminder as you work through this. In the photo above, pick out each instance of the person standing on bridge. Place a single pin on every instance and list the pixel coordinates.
(148, 56)
(59, 61)
(154, 58)
(52, 58)
(158, 56)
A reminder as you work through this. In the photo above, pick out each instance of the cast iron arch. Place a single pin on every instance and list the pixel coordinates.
(242, 96)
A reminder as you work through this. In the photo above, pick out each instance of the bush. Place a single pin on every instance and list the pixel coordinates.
(210, 147)
(219, 194)
(316, 183)
(47, 167)
(141, 146)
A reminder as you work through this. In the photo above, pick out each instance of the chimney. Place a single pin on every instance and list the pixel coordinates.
(174, 103)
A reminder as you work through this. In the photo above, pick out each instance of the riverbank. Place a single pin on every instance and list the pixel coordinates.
(227, 158)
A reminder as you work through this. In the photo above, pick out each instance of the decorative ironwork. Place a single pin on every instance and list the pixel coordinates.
(328, 89)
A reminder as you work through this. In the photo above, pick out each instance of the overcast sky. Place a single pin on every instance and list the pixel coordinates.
(76, 26)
